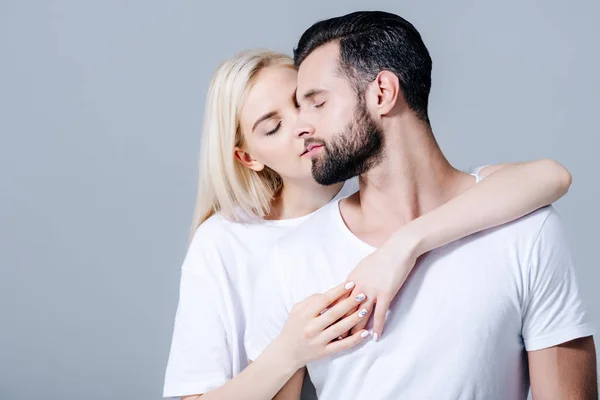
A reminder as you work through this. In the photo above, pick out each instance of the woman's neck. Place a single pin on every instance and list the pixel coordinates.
(300, 198)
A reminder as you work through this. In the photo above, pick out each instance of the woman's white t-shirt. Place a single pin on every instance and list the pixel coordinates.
(217, 280)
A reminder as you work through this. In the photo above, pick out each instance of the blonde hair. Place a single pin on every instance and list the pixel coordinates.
(224, 184)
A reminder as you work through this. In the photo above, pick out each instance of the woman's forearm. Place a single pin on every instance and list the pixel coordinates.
(508, 193)
(261, 380)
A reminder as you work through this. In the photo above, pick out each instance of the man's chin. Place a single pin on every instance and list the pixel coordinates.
(318, 176)
(325, 179)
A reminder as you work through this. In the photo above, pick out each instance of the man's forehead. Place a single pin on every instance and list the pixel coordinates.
(319, 66)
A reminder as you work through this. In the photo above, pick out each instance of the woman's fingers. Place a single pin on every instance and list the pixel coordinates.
(344, 325)
(368, 304)
(326, 300)
(338, 311)
(346, 334)
(381, 307)
(345, 344)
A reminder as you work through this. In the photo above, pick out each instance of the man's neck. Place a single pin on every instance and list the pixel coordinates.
(413, 178)
(302, 197)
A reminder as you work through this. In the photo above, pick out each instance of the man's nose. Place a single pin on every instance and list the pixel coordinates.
(304, 130)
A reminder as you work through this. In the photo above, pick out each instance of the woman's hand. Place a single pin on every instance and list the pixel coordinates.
(380, 276)
(314, 325)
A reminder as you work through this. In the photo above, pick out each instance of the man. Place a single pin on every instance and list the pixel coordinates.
(481, 318)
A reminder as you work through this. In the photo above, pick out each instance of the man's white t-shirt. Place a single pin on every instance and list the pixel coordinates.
(460, 326)
(217, 282)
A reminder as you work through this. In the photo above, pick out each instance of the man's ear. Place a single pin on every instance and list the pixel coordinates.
(385, 92)
(247, 160)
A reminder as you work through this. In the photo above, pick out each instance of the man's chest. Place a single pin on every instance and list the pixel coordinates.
(459, 311)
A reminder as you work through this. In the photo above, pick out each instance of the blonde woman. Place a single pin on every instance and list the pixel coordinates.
(255, 184)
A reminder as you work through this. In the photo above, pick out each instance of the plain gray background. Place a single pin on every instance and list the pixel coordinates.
(101, 108)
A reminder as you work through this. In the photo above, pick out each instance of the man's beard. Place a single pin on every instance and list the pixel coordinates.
(353, 152)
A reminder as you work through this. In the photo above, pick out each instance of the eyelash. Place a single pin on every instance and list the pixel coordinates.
(274, 131)
(319, 105)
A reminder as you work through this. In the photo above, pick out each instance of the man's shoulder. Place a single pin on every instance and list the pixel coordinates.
(531, 224)
(535, 219)
(545, 229)
(522, 234)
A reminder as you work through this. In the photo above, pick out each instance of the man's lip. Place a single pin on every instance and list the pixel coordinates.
(311, 146)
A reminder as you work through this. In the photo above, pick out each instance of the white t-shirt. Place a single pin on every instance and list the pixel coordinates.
(217, 282)
(458, 329)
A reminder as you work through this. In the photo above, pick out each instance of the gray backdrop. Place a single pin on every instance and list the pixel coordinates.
(100, 113)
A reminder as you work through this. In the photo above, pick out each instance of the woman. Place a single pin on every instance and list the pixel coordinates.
(255, 184)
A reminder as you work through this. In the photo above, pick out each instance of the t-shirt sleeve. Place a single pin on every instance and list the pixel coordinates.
(269, 310)
(553, 311)
(199, 360)
(476, 171)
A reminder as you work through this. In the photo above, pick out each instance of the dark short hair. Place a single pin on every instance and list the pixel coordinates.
(370, 42)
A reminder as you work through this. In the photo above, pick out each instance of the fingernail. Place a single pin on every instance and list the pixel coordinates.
(360, 297)
(364, 334)
(362, 313)
(349, 285)
(375, 337)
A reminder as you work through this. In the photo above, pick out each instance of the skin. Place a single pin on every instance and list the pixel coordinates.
(406, 185)
(273, 94)
(283, 361)
(274, 143)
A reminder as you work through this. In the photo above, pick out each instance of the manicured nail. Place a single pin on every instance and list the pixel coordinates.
(375, 337)
(349, 285)
(364, 334)
(362, 313)
(360, 297)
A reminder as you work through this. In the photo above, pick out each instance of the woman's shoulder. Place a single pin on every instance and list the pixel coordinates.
(211, 245)
(220, 241)
(214, 230)
(219, 228)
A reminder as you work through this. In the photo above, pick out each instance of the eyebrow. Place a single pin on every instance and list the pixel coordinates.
(264, 118)
(312, 93)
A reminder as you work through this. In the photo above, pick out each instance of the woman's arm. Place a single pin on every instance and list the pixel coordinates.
(293, 388)
(508, 192)
(262, 379)
(308, 334)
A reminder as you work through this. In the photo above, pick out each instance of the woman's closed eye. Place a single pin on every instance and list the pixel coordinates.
(274, 131)
(319, 105)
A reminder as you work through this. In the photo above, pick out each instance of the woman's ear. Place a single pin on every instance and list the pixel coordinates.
(247, 160)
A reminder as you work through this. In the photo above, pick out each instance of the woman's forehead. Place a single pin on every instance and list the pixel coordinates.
(273, 89)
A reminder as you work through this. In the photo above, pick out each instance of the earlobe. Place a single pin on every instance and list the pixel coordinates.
(247, 160)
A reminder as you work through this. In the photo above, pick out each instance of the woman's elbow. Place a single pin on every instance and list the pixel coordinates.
(558, 174)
